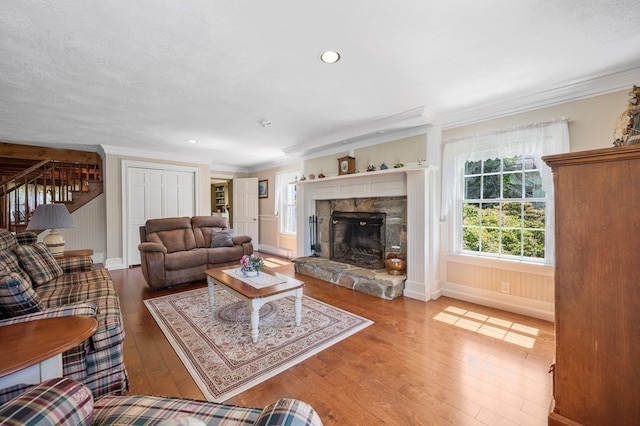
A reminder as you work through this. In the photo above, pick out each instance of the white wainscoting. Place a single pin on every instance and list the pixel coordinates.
(271, 240)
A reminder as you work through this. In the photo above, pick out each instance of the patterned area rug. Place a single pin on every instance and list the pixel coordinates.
(217, 349)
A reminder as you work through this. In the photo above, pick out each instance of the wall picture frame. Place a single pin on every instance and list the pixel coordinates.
(346, 165)
(263, 188)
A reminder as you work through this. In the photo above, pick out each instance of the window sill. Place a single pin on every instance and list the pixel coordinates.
(506, 264)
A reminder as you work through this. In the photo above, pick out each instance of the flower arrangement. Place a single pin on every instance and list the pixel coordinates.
(251, 263)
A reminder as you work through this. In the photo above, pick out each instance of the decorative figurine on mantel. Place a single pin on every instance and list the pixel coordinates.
(627, 130)
(371, 168)
(383, 166)
(398, 165)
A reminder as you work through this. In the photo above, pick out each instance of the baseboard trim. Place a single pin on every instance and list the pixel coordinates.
(264, 248)
(114, 263)
(506, 302)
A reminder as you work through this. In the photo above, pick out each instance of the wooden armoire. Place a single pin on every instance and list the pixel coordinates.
(597, 287)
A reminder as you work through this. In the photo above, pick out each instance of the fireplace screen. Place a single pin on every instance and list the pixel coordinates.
(358, 238)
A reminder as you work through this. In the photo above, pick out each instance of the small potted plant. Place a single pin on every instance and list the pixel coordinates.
(251, 265)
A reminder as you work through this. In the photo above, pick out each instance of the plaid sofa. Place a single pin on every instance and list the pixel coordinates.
(67, 402)
(34, 285)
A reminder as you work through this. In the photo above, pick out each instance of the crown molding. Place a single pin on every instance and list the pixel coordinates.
(569, 92)
(419, 116)
(166, 156)
(155, 155)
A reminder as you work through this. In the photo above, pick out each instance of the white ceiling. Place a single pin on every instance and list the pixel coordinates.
(151, 74)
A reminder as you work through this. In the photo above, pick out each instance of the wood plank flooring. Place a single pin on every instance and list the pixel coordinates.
(444, 362)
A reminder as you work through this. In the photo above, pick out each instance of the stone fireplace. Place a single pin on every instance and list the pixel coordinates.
(404, 195)
(392, 210)
(357, 238)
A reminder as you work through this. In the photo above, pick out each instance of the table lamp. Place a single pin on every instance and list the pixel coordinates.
(53, 217)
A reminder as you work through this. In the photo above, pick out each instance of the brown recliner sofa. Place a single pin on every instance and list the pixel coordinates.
(178, 250)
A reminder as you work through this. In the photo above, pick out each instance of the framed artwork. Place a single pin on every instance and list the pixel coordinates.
(346, 165)
(263, 188)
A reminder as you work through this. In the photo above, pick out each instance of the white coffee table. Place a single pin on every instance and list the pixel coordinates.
(256, 297)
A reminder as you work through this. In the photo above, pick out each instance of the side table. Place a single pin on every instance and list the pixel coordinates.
(32, 351)
(76, 253)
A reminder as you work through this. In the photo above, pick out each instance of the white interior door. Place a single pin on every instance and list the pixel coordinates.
(151, 193)
(245, 208)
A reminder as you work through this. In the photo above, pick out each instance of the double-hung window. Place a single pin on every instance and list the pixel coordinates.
(503, 208)
(285, 202)
(498, 193)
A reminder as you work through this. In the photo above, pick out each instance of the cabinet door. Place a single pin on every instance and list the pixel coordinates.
(597, 290)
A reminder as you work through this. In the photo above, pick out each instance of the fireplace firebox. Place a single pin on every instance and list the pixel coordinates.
(358, 238)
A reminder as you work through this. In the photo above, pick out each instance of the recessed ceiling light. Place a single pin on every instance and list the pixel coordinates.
(192, 141)
(330, 57)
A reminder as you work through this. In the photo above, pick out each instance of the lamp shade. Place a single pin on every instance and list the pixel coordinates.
(51, 216)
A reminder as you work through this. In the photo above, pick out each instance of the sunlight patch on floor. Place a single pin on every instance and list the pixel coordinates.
(272, 262)
(496, 328)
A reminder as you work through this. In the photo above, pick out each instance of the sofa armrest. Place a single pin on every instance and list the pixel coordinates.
(239, 239)
(152, 247)
(58, 401)
(286, 411)
(73, 265)
(83, 309)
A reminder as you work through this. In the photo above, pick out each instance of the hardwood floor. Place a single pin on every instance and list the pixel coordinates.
(444, 362)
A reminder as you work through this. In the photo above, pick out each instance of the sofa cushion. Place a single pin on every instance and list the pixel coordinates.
(174, 233)
(39, 263)
(17, 297)
(58, 401)
(182, 421)
(287, 411)
(203, 227)
(185, 259)
(148, 410)
(221, 239)
(7, 240)
(220, 255)
(8, 259)
(95, 286)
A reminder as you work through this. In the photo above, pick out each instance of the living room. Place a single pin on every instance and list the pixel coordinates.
(591, 103)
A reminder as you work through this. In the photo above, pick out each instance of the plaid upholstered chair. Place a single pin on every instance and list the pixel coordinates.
(67, 402)
(35, 285)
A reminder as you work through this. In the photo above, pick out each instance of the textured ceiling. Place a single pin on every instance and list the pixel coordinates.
(150, 75)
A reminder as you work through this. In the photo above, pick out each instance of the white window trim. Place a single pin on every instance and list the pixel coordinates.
(533, 140)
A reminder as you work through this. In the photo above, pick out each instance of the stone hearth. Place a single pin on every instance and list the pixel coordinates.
(375, 282)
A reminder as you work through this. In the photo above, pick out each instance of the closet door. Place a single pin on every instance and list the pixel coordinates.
(179, 194)
(151, 192)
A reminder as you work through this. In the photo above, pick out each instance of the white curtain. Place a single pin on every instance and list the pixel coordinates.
(533, 140)
(282, 180)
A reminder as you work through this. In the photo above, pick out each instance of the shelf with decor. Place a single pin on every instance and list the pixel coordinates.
(220, 193)
(391, 170)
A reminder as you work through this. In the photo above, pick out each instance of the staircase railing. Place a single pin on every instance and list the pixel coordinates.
(48, 181)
